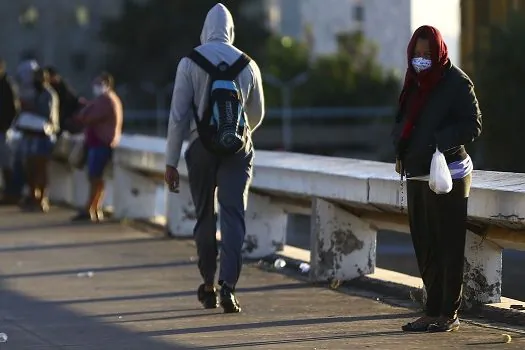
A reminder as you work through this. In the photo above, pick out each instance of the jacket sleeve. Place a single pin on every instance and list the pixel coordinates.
(13, 104)
(44, 104)
(255, 105)
(181, 113)
(468, 121)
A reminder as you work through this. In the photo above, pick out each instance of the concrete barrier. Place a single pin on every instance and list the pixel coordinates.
(348, 200)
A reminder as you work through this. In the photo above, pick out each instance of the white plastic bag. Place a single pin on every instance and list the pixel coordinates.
(440, 180)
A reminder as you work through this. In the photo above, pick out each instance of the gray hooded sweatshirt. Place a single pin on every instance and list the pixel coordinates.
(192, 83)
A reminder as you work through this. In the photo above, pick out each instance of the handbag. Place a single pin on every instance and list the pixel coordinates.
(78, 155)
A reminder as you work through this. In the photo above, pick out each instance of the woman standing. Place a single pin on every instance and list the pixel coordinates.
(437, 109)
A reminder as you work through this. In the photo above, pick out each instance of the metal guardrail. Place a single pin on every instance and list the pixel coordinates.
(360, 132)
(276, 113)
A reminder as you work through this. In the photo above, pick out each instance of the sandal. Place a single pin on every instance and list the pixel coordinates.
(444, 325)
(419, 325)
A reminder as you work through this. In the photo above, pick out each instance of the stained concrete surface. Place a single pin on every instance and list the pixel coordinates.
(395, 252)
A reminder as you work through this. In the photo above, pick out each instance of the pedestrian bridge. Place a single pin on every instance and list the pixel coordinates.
(119, 286)
(125, 284)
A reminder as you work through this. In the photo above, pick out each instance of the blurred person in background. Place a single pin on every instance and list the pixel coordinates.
(25, 83)
(26, 91)
(38, 124)
(438, 109)
(9, 107)
(70, 102)
(102, 119)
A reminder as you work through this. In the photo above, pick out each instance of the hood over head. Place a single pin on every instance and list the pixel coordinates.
(25, 72)
(438, 47)
(426, 80)
(218, 26)
(25, 75)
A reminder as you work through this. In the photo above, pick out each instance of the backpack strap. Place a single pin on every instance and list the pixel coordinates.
(209, 68)
(231, 73)
(238, 66)
(203, 62)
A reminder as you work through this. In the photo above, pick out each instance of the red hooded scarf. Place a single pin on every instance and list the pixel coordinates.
(425, 80)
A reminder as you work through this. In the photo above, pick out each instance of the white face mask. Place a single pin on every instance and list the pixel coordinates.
(420, 64)
(99, 90)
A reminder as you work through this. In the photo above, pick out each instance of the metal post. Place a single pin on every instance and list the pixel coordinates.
(287, 118)
(160, 111)
(286, 107)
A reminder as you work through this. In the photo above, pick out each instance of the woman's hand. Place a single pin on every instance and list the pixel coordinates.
(398, 166)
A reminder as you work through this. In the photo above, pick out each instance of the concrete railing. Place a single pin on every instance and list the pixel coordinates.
(348, 200)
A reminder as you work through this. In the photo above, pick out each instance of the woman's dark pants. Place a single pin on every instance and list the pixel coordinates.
(438, 225)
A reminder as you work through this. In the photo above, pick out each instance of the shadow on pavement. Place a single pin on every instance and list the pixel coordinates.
(304, 340)
(98, 270)
(284, 323)
(34, 247)
(187, 293)
(29, 323)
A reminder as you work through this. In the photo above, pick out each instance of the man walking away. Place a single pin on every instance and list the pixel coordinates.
(103, 119)
(9, 107)
(218, 95)
(69, 101)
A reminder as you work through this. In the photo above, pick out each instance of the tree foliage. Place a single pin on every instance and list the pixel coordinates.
(350, 77)
(499, 78)
(284, 59)
(147, 41)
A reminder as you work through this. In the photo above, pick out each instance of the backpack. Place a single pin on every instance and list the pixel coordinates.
(223, 129)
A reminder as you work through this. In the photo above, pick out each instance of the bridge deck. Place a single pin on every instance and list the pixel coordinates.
(141, 296)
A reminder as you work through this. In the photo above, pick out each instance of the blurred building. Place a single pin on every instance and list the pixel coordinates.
(319, 22)
(477, 16)
(59, 32)
(388, 23)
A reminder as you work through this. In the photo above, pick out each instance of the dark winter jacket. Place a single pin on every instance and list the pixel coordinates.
(450, 119)
(8, 103)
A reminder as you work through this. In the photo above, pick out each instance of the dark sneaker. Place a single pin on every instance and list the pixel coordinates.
(26, 201)
(29, 205)
(419, 325)
(444, 325)
(9, 200)
(229, 302)
(208, 299)
(83, 216)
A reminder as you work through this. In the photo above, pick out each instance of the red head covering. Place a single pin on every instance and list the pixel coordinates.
(425, 80)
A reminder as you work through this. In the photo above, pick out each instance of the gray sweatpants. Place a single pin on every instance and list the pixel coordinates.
(231, 177)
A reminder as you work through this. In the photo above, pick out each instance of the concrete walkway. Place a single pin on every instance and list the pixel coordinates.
(112, 287)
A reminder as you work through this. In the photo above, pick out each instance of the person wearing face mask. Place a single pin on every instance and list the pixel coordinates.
(437, 109)
(38, 123)
(102, 119)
